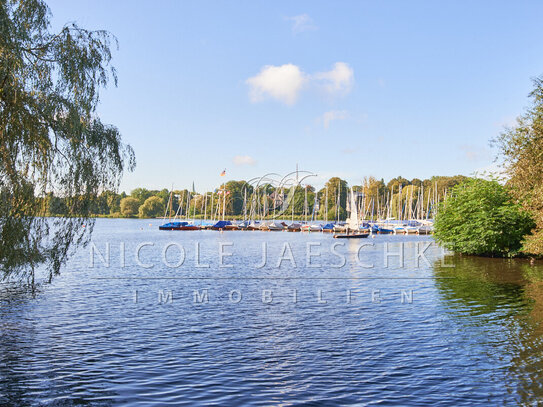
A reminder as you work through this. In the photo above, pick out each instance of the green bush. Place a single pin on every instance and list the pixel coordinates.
(152, 208)
(129, 206)
(479, 218)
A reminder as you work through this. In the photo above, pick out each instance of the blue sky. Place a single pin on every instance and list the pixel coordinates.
(349, 88)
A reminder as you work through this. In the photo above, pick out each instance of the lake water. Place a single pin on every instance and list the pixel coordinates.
(434, 330)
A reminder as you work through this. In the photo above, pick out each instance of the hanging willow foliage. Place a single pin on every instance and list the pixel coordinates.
(51, 137)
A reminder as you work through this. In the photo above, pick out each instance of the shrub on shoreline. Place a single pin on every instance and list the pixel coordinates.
(480, 218)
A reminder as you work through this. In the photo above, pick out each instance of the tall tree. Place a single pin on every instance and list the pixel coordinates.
(141, 194)
(129, 206)
(235, 197)
(51, 137)
(521, 147)
(152, 207)
(337, 189)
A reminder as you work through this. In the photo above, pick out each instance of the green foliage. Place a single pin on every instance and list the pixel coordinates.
(334, 214)
(55, 205)
(235, 196)
(141, 194)
(129, 206)
(396, 182)
(377, 194)
(52, 139)
(163, 194)
(112, 202)
(334, 191)
(151, 208)
(444, 183)
(299, 202)
(479, 218)
(522, 150)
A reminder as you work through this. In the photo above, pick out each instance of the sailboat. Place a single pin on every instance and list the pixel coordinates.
(328, 228)
(178, 226)
(310, 227)
(352, 223)
(172, 224)
(294, 227)
(273, 225)
(221, 225)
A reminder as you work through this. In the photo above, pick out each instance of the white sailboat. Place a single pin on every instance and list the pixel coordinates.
(353, 223)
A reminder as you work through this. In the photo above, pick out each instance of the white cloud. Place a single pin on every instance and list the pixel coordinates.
(285, 82)
(475, 153)
(349, 150)
(470, 153)
(339, 80)
(243, 160)
(282, 83)
(332, 115)
(301, 23)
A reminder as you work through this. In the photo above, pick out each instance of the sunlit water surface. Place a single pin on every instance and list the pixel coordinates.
(412, 335)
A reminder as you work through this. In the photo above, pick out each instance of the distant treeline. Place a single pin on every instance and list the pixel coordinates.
(398, 198)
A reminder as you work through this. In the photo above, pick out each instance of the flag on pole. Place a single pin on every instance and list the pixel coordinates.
(223, 173)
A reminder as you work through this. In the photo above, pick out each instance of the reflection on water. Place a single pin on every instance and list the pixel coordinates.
(471, 336)
(504, 293)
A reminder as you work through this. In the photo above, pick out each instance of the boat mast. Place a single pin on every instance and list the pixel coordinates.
(326, 204)
(201, 206)
(205, 208)
(170, 217)
(400, 202)
(212, 212)
(274, 202)
(180, 208)
(305, 204)
(168, 205)
(187, 213)
(410, 213)
(245, 203)
(223, 199)
(337, 202)
(428, 204)
(295, 187)
(264, 202)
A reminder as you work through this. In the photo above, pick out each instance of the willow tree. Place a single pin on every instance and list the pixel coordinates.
(52, 139)
(522, 150)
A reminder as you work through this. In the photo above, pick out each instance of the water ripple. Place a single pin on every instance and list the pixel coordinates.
(470, 338)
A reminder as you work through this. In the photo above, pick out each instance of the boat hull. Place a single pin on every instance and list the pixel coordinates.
(311, 229)
(179, 228)
(353, 236)
(425, 230)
